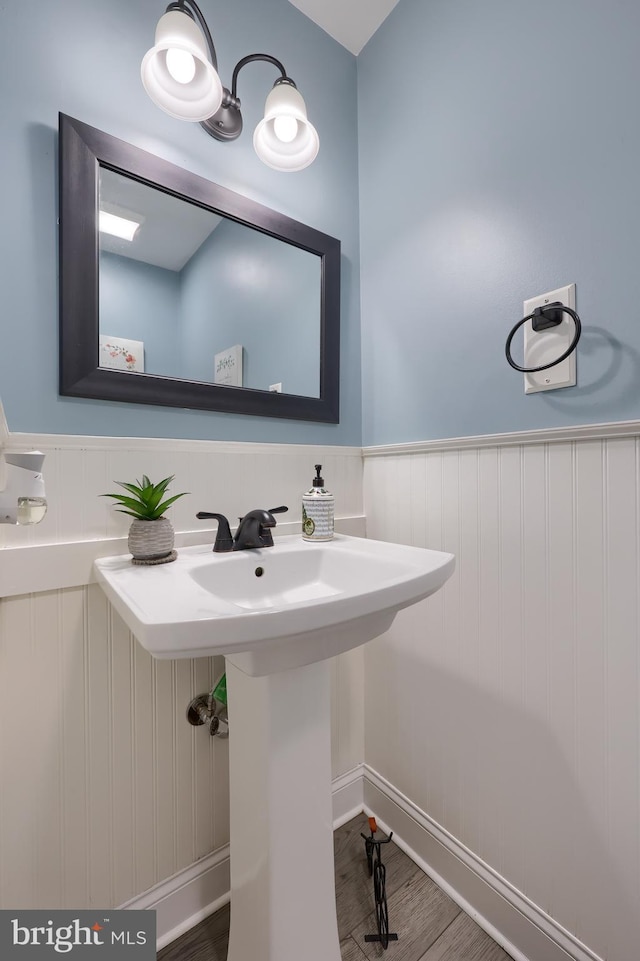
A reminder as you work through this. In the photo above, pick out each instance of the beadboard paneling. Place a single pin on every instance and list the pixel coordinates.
(230, 478)
(106, 790)
(507, 705)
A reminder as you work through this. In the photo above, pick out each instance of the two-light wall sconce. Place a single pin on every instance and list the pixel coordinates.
(180, 74)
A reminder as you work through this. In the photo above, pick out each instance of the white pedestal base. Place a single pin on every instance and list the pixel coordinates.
(282, 868)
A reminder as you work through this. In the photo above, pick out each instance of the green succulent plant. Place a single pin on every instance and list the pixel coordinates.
(144, 500)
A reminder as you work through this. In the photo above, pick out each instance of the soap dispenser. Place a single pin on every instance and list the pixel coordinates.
(317, 511)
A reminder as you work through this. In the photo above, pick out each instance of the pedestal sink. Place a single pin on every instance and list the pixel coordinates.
(277, 614)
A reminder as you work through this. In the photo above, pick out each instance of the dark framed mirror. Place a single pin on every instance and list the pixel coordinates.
(210, 301)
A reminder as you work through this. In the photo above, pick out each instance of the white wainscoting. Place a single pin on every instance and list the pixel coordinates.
(106, 790)
(506, 707)
(504, 710)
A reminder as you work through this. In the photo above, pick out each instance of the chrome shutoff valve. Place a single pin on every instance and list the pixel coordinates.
(204, 709)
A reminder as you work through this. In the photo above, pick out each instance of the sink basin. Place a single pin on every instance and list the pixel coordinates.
(272, 609)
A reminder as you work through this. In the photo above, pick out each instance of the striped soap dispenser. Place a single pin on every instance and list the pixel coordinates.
(317, 511)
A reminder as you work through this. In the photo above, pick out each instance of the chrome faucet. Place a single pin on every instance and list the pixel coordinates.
(254, 530)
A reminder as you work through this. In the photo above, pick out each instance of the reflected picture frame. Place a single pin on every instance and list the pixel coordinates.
(228, 367)
(119, 353)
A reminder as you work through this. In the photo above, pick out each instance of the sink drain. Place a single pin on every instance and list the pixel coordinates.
(259, 571)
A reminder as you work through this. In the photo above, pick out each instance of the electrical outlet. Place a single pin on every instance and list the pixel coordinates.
(543, 346)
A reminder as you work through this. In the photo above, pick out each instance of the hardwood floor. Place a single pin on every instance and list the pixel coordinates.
(430, 926)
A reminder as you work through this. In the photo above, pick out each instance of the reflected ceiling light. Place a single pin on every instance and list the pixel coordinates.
(117, 226)
(180, 74)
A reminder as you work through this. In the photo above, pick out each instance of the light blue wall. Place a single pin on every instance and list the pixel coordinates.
(499, 158)
(244, 287)
(142, 302)
(82, 57)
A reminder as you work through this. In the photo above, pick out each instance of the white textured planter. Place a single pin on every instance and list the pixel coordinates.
(151, 540)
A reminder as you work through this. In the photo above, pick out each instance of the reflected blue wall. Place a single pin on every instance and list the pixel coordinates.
(142, 302)
(242, 287)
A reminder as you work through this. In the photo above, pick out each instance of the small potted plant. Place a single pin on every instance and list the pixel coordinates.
(150, 534)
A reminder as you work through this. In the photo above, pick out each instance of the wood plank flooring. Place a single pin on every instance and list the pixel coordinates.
(430, 926)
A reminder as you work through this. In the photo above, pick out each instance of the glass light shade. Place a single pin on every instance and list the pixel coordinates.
(200, 97)
(285, 101)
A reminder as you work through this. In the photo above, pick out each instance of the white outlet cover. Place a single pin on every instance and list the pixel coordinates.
(541, 348)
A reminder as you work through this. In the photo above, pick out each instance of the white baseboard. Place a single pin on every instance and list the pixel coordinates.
(511, 919)
(348, 796)
(187, 898)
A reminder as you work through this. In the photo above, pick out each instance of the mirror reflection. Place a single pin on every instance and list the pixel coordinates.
(253, 298)
(187, 293)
